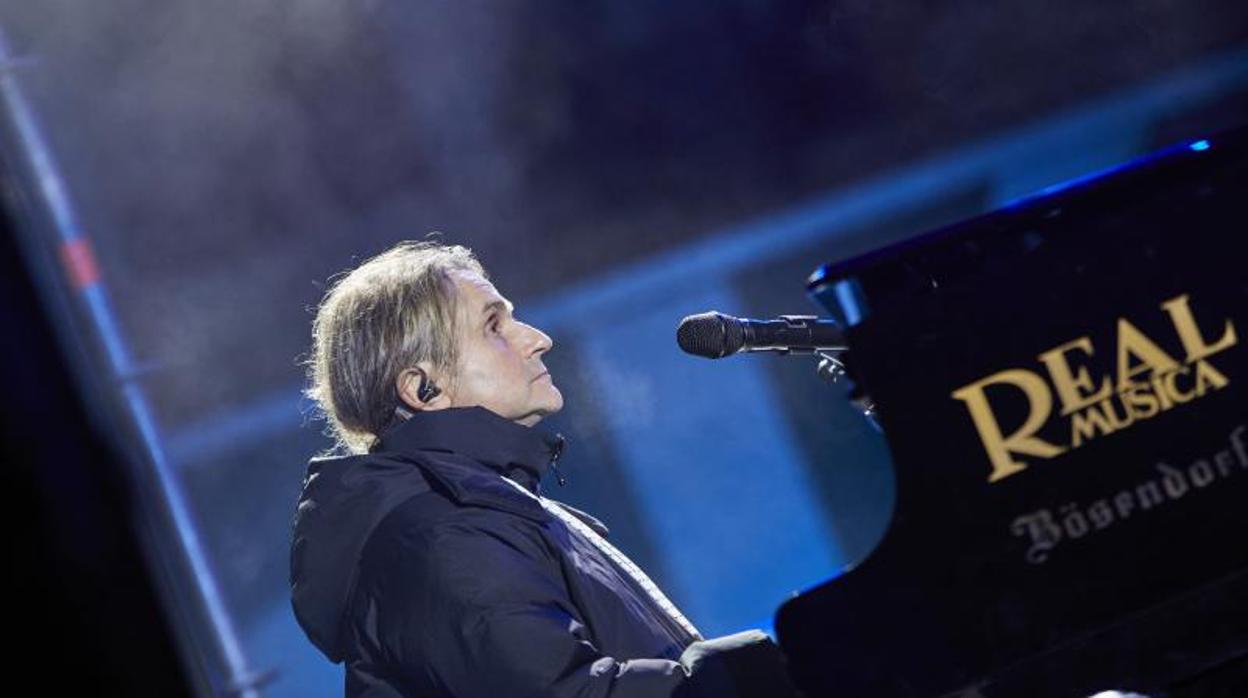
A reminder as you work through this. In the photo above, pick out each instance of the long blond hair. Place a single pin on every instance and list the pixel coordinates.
(376, 320)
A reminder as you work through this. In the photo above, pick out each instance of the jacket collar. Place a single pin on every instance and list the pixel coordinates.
(522, 453)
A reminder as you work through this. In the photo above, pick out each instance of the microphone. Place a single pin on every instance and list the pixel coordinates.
(715, 335)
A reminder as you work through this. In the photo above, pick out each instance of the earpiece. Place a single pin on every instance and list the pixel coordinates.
(427, 390)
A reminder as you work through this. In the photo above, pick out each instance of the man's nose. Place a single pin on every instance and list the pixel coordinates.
(540, 342)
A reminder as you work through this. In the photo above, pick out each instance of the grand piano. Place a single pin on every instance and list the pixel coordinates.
(1063, 386)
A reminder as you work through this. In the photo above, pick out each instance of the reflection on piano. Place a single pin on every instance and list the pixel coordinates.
(1063, 385)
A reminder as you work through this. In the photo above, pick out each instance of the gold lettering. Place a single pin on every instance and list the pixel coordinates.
(1132, 342)
(1173, 389)
(1145, 382)
(1111, 413)
(1185, 325)
(1159, 389)
(1069, 385)
(1207, 375)
(1139, 396)
(1023, 440)
(1086, 424)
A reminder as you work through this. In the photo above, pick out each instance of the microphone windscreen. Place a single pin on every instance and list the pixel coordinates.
(713, 335)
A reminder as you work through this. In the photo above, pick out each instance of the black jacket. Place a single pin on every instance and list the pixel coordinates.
(429, 575)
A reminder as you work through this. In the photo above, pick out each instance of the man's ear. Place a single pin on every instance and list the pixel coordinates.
(409, 385)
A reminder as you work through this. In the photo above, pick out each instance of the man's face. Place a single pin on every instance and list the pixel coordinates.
(500, 357)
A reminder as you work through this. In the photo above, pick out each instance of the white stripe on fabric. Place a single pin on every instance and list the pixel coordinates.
(614, 554)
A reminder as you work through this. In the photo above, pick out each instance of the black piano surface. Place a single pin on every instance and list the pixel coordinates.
(1063, 386)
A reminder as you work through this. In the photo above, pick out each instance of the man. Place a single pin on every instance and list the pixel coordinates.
(427, 559)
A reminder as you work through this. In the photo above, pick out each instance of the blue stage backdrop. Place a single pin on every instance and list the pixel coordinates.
(206, 168)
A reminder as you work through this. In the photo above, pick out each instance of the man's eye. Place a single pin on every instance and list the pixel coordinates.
(493, 326)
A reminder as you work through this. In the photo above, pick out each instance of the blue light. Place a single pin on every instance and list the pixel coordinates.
(1199, 145)
(849, 295)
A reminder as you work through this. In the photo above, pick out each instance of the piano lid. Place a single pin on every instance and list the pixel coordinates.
(1063, 384)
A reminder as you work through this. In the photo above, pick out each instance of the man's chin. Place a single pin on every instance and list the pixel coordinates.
(537, 415)
(555, 403)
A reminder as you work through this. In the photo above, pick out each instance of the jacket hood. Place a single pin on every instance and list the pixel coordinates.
(344, 498)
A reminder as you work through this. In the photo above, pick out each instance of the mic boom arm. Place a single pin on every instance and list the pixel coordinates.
(714, 335)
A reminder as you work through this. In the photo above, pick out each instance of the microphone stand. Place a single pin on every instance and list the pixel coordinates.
(832, 369)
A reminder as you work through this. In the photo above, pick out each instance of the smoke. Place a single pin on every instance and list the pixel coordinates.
(224, 156)
(228, 157)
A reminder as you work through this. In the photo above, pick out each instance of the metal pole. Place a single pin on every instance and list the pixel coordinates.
(73, 248)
